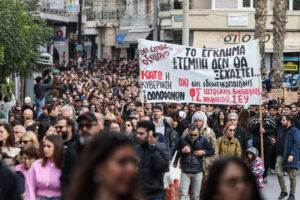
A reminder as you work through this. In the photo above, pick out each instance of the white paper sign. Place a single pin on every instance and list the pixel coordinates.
(238, 19)
(175, 73)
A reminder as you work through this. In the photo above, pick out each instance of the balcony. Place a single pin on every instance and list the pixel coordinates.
(60, 14)
(104, 14)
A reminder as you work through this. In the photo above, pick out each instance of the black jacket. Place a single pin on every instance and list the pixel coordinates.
(154, 161)
(189, 162)
(170, 135)
(8, 184)
(268, 124)
(69, 164)
(241, 134)
(39, 89)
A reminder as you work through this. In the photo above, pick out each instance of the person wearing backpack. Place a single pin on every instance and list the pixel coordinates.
(192, 148)
(228, 145)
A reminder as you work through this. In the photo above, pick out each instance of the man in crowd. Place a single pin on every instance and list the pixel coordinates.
(192, 148)
(269, 131)
(18, 130)
(163, 126)
(39, 90)
(53, 113)
(87, 123)
(65, 127)
(154, 160)
(288, 149)
(240, 132)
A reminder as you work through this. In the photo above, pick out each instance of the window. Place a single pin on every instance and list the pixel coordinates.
(232, 4)
(226, 4)
(246, 3)
(293, 5)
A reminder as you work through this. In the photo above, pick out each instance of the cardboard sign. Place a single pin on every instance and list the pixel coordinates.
(277, 93)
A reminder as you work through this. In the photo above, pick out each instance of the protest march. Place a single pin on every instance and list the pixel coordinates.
(177, 123)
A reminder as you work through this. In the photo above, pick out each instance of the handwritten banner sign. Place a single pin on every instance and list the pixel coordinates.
(290, 97)
(180, 74)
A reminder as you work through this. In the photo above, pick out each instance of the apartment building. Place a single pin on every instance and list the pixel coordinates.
(220, 23)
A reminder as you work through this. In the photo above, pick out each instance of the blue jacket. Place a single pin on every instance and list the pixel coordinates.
(291, 147)
(189, 162)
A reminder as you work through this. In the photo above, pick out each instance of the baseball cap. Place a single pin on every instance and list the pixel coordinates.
(90, 116)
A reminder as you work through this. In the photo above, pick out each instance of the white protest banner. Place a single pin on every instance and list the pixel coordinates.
(179, 74)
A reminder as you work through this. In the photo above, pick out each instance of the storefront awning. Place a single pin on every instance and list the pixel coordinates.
(132, 37)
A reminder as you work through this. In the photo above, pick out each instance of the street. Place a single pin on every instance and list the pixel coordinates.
(271, 190)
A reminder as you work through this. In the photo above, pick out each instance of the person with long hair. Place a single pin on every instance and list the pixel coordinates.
(43, 177)
(107, 170)
(230, 179)
(244, 118)
(44, 130)
(9, 151)
(221, 120)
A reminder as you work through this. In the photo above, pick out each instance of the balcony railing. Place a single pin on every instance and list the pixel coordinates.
(103, 13)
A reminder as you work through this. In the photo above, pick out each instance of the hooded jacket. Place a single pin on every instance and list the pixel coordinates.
(257, 166)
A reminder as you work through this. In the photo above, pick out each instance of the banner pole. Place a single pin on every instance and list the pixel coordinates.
(261, 135)
(143, 108)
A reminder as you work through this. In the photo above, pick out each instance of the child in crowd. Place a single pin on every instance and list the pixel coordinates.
(256, 165)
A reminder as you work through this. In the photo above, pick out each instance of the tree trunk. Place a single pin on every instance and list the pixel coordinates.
(279, 22)
(260, 28)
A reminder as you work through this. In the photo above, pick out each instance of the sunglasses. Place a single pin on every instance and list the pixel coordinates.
(80, 126)
(25, 141)
(232, 130)
(59, 127)
(193, 135)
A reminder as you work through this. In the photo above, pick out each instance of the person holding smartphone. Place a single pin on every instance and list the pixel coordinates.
(154, 160)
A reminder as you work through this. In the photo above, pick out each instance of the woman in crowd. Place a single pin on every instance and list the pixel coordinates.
(108, 171)
(227, 144)
(115, 126)
(43, 177)
(129, 128)
(230, 179)
(29, 138)
(244, 118)
(45, 129)
(221, 120)
(28, 155)
(9, 151)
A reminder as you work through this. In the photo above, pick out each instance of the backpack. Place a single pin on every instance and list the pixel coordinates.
(220, 147)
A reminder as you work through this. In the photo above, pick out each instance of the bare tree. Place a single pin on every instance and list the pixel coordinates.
(260, 28)
(279, 22)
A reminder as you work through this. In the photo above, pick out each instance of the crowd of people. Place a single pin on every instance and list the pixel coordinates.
(88, 136)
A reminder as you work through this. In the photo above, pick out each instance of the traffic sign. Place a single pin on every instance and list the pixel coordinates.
(79, 47)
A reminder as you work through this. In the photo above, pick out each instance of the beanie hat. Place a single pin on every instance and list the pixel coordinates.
(198, 116)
